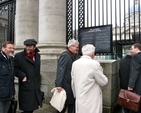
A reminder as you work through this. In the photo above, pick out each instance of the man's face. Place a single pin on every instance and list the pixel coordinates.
(8, 50)
(74, 48)
(29, 48)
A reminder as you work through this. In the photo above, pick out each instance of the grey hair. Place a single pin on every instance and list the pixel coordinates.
(72, 42)
(88, 49)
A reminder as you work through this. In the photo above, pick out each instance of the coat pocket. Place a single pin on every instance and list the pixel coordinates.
(4, 70)
(4, 92)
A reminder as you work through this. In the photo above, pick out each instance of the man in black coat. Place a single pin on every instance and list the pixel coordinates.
(27, 68)
(124, 72)
(135, 70)
(63, 78)
(6, 76)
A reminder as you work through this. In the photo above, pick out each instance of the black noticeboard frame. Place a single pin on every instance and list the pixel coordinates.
(99, 36)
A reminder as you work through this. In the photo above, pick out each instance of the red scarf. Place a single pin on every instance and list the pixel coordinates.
(31, 55)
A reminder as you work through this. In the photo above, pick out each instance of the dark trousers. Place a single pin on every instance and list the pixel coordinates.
(70, 107)
(127, 110)
(4, 106)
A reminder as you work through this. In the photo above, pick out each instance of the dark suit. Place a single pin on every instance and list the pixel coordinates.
(63, 78)
(135, 75)
(29, 91)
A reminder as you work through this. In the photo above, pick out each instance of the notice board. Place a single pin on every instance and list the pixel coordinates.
(99, 36)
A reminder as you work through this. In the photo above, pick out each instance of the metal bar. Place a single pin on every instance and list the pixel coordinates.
(139, 19)
(106, 11)
(120, 17)
(99, 11)
(134, 21)
(124, 21)
(102, 12)
(129, 19)
(95, 12)
(91, 13)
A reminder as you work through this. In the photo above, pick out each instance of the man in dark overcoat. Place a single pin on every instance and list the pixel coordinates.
(27, 68)
(135, 70)
(63, 78)
(124, 72)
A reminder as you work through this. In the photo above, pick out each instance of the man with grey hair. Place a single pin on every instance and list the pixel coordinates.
(87, 79)
(63, 78)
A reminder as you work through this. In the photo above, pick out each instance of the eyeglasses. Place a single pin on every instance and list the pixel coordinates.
(75, 46)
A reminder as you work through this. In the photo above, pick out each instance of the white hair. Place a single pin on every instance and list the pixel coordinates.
(88, 49)
(72, 42)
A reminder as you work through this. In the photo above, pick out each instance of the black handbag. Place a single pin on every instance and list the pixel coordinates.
(13, 106)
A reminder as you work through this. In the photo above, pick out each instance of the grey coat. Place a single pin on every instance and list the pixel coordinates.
(63, 78)
(135, 73)
(29, 91)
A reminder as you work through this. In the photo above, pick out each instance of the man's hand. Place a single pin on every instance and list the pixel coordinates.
(24, 79)
(59, 89)
(130, 89)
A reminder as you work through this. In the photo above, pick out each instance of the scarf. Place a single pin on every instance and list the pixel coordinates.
(31, 55)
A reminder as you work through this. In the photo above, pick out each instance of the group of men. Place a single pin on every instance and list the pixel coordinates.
(26, 66)
(81, 78)
(130, 71)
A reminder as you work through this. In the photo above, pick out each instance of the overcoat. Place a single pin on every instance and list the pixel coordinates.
(63, 78)
(135, 73)
(87, 79)
(29, 91)
(124, 71)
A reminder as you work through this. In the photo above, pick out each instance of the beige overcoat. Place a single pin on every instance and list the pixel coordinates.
(87, 79)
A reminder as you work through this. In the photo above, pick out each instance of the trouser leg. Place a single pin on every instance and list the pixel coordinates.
(4, 106)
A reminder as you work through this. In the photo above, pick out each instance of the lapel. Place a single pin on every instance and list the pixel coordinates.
(29, 60)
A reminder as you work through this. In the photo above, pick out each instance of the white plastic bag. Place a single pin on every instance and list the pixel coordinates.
(58, 99)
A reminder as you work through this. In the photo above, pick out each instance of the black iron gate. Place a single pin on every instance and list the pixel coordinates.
(7, 20)
(124, 15)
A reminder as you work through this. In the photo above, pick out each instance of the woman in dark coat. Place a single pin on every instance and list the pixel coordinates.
(27, 67)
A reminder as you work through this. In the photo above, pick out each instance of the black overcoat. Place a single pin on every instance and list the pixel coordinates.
(63, 78)
(124, 71)
(29, 91)
(135, 73)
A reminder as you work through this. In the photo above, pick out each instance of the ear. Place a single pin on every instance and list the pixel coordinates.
(3, 49)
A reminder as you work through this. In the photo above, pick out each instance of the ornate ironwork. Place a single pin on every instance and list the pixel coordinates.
(69, 30)
(11, 21)
(7, 13)
(81, 13)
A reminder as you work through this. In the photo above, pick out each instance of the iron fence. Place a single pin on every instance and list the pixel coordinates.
(124, 15)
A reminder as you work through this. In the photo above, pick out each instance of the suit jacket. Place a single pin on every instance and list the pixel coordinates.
(135, 73)
(63, 78)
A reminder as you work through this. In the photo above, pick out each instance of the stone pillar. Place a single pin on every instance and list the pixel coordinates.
(52, 28)
(26, 21)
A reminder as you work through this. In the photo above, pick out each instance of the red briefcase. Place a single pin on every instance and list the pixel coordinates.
(129, 100)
